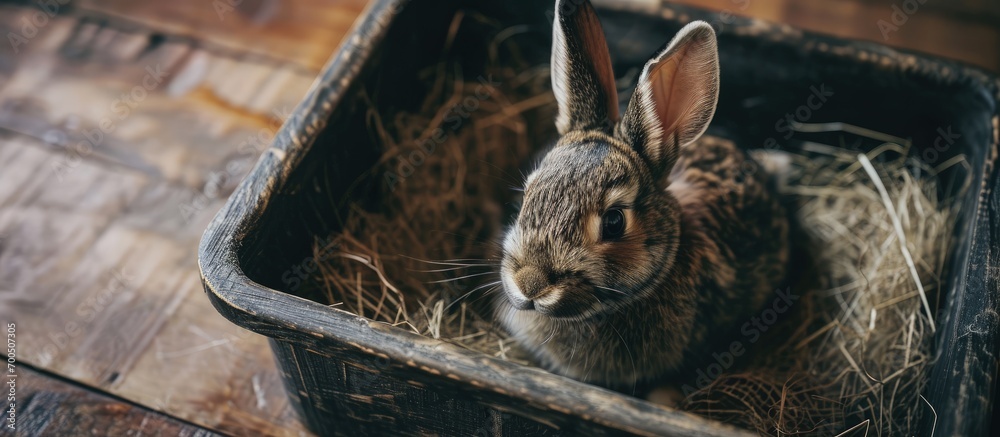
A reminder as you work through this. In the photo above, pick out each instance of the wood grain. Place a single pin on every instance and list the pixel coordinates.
(118, 143)
(967, 30)
(301, 32)
(51, 406)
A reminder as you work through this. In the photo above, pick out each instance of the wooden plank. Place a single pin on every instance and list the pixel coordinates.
(49, 406)
(98, 227)
(942, 31)
(150, 111)
(110, 296)
(219, 374)
(300, 31)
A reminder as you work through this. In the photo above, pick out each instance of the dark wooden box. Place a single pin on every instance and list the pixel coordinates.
(349, 376)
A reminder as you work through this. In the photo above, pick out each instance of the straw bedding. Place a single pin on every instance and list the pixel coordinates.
(854, 355)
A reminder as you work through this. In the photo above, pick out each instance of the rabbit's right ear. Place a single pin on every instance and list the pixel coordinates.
(582, 77)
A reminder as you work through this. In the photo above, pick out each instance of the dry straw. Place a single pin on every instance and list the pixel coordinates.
(854, 356)
(425, 259)
(854, 353)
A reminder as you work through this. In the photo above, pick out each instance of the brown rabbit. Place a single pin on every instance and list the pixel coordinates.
(637, 249)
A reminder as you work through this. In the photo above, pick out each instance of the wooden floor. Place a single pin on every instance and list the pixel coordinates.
(966, 30)
(99, 228)
(124, 125)
(61, 408)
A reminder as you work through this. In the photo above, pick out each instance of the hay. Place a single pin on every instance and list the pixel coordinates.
(853, 354)
(425, 259)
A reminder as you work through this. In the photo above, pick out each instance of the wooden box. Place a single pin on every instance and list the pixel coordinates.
(349, 376)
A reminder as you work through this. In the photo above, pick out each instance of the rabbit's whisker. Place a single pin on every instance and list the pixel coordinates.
(449, 269)
(490, 284)
(486, 293)
(552, 333)
(635, 375)
(611, 289)
(455, 262)
(470, 260)
(463, 277)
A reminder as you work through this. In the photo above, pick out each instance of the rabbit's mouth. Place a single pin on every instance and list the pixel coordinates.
(555, 302)
(558, 302)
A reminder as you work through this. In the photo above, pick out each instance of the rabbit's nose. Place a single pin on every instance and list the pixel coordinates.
(531, 281)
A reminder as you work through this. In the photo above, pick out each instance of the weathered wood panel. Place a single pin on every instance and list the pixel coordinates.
(51, 407)
(109, 296)
(965, 30)
(118, 142)
(300, 31)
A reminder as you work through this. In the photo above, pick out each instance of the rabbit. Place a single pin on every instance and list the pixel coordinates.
(637, 248)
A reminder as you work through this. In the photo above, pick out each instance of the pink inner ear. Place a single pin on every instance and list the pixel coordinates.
(666, 99)
(596, 49)
(683, 87)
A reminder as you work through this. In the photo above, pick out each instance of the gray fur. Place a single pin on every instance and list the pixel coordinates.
(705, 243)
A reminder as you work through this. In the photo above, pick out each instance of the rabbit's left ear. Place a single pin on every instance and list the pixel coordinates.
(675, 98)
(582, 77)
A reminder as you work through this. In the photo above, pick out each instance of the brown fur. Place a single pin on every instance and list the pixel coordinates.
(706, 240)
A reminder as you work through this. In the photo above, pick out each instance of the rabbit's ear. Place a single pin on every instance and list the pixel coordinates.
(582, 78)
(675, 98)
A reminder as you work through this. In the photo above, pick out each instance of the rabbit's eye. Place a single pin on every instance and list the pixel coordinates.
(613, 225)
